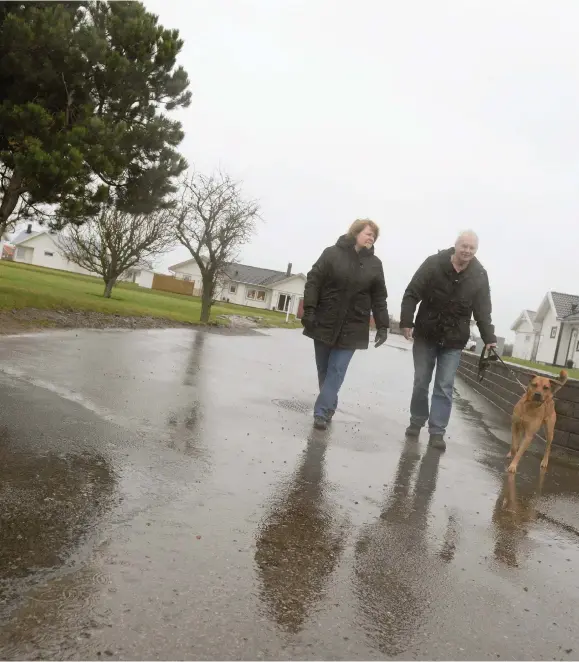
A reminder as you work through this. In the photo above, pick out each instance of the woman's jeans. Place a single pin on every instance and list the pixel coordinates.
(332, 364)
(426, 356)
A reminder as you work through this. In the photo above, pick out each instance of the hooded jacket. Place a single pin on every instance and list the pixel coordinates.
(448, 299)
(343, 288)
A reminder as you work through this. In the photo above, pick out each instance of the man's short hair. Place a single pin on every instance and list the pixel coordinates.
(467, 233)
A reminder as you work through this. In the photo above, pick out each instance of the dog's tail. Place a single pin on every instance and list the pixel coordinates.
(559, 383)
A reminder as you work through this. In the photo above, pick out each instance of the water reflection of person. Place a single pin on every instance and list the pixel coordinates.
(514, 511)
(299, 542)
(397, 574)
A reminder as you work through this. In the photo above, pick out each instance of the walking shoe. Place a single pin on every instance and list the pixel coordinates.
(437, 441)
(330, 414)
(320, 423)
(413, 431)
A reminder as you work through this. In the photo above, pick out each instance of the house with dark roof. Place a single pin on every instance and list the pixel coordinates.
(250, 286)
(551, 334)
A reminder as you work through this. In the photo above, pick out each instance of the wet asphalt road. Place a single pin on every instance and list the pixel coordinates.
(162, 496)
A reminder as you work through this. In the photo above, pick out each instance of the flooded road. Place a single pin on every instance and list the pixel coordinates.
(163, 496)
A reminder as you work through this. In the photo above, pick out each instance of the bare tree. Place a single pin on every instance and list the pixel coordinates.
(115, 241)
(212, 220)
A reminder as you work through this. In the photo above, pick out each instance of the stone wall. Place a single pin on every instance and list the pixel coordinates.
(499, 386)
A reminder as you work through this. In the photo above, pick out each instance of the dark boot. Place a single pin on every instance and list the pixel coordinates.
(437, 441)
(330, 414)
(413, 431)
(320, 423)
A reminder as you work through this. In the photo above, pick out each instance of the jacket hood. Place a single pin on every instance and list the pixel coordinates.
(345, 241)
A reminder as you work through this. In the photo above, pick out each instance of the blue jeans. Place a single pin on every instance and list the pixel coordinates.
(426, 356)
(332, 364)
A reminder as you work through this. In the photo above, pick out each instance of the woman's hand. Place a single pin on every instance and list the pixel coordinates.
(381, 336)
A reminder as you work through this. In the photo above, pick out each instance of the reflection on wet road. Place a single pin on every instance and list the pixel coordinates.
(162, 495)
(185, 424)
(398, 570)
(48, 503)
(300, 541)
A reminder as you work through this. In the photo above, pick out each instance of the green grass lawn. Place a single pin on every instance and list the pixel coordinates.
(573, 372)
(25, 286)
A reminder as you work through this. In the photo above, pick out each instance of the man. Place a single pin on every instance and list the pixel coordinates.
(451, 287)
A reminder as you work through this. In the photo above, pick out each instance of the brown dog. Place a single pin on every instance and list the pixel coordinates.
(534, 409)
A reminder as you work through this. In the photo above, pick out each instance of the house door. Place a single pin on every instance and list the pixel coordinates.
(300, 309)
(283, 302)
(572, 345)
(536, 341)
(24, 254)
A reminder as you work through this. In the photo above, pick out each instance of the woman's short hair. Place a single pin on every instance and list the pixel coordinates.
(360, 224)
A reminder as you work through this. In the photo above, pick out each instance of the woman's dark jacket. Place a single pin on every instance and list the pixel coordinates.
(448, 299)
(343, 288)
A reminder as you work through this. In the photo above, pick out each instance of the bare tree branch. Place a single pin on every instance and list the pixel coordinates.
(113, 242)
(213, 220)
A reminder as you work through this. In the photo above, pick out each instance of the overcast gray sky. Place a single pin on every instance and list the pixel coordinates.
(428, 117)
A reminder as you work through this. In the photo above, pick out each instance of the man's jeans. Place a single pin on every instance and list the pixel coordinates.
(426, 356)
(332, 364)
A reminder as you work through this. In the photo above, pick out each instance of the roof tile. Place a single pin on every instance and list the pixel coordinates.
(242, 273)
(565, 304)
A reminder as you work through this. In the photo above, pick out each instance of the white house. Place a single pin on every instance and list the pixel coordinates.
(551, 335)
(140, 275)
(40, 248)
(251, 286)
(527, 334)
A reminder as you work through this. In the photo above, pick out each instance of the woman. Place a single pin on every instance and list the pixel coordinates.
(343, 287)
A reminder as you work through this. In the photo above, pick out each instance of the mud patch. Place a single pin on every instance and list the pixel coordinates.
(35, 319)
(240, 322)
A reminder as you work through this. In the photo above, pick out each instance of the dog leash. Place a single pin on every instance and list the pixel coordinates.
(485, 361)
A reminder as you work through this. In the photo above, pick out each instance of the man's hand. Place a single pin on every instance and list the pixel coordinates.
(407, 333)
(308, 322)
(491, 344)
(381, 336)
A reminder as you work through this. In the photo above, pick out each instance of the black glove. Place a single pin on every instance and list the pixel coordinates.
(381, 336)
(308, 322)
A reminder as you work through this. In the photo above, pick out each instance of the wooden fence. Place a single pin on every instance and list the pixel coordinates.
(172, 284)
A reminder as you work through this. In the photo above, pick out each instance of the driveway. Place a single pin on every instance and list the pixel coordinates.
(163, 496)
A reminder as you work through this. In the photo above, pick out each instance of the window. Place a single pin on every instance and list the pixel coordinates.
(256, 295)
(21, 252)
(233, 288)
(577, 348)
(527, 338)
(553, 331)
(187, 277)
(49, 254)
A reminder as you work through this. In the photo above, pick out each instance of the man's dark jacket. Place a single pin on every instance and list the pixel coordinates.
(343, 287)
(448, 299)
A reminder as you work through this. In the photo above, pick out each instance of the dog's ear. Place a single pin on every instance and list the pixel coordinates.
(531, 378)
